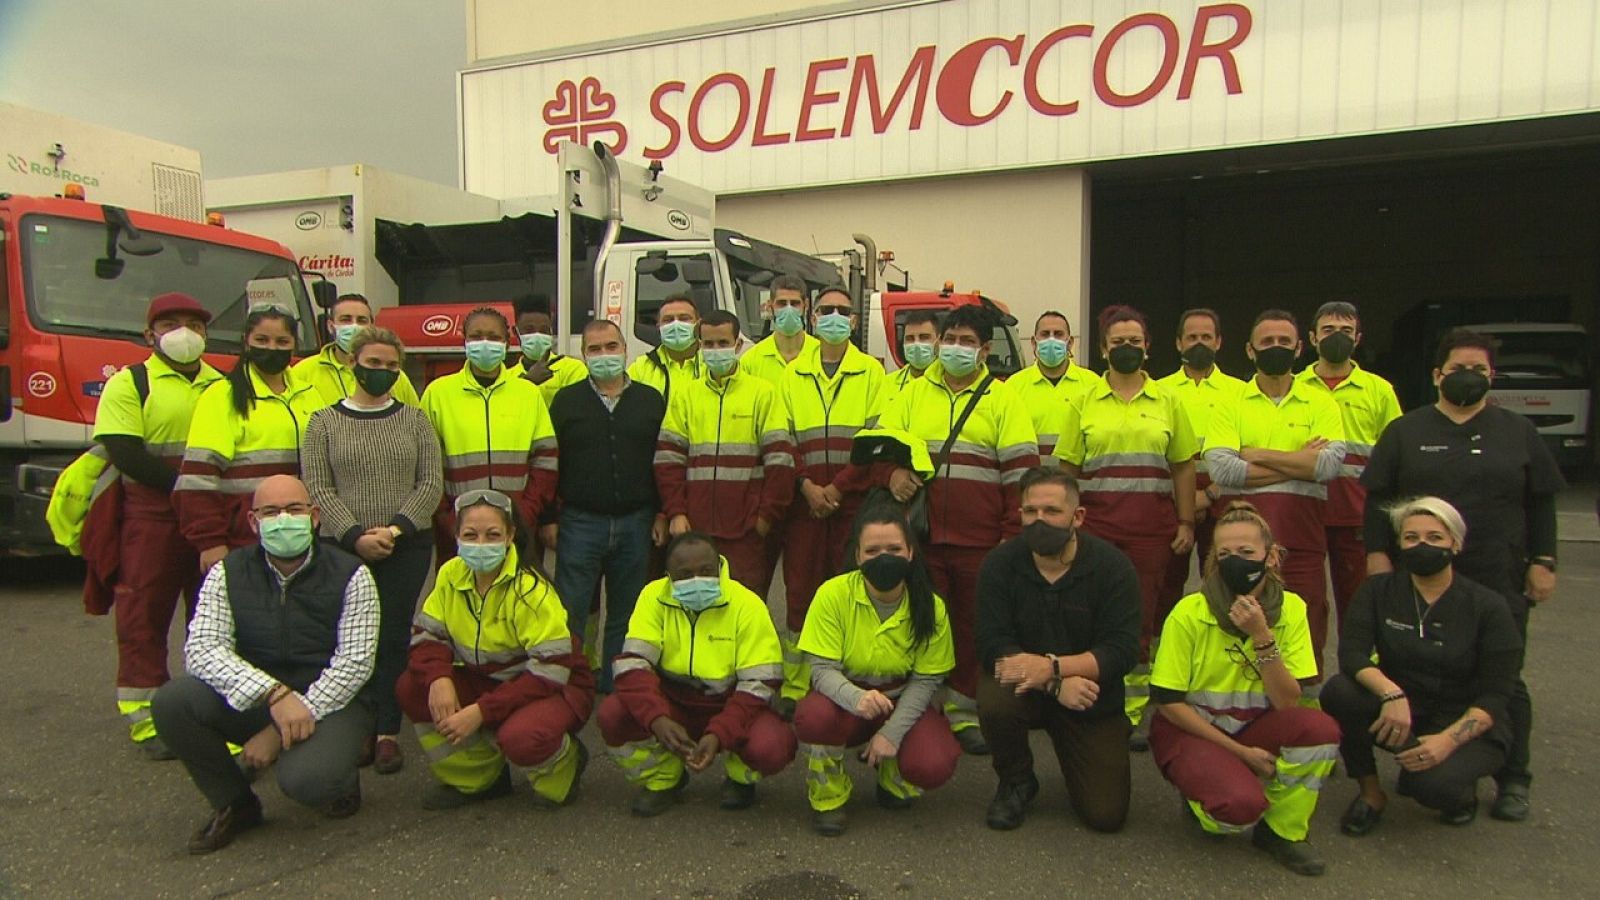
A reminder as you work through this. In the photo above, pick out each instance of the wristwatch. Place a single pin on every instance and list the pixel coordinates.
(1549, 562)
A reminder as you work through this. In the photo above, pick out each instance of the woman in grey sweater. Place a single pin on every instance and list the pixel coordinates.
(373, 466)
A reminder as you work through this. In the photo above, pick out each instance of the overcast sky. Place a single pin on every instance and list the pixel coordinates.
(254, 86)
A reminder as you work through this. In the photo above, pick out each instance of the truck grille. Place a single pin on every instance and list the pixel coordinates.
(177, 193)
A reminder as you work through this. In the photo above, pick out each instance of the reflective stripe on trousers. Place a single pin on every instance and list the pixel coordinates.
(961, 710)
(1291, 794)
(796, 673)
(133, 704)
(828, 785)
(1136, 696)
(648, 764)
(475, 766)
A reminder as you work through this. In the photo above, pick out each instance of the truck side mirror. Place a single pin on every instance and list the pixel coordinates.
(696, 270)
(325, 293)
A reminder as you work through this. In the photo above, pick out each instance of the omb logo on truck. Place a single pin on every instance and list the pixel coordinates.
(582, 111)
(438, 326)
(41, 384)
(678, 219)
(310, 220)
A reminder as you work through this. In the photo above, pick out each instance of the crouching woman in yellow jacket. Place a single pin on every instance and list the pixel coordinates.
(495, 675)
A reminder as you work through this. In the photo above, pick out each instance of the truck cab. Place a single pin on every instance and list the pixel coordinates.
(1544, 370)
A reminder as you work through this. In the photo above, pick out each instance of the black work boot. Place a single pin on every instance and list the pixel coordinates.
(1296, 856)
(1009, 807)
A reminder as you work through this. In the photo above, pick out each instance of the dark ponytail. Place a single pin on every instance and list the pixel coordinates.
(919, 585)
(244, 393)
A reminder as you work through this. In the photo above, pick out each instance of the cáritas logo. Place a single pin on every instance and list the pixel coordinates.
(580, 112)
(20, 165)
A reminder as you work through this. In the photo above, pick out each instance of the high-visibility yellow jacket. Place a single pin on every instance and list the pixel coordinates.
(564, 370)
(228, 454)
(666, 374)
(496, 437)
(335, 381)
(843, 625)
(974, 499)
(1199, 399)
(765, 360)
(824, 413)
(162, 420)
(1368, 404)
(1125, 451)
(515, 636)
(724, 456)
(896, 381)
(1047, 401)
(727, 655)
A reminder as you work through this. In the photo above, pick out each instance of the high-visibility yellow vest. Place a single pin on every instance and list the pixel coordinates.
(666, 374)
(731, 645)
(334, 381)
(230, 452)
(765, 360)
(1047, 402)
(1368, 404)
(491, 436)
(163, 418)
(1125, 451)
(564, 370)
(843, 625)
(518, 626)
(825, 412)
(1200, 399)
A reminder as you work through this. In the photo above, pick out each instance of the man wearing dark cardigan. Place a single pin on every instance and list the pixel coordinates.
(606, 428)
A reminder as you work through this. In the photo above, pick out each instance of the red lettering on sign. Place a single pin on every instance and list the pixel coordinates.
(954, 92)
(1169, 60)
(695, 136)
(761, 138)
(1030, 73)
(1223, 51)
(810, 100)
(865, 74)
(674, 133)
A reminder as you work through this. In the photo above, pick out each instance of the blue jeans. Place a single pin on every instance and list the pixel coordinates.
(589, 545)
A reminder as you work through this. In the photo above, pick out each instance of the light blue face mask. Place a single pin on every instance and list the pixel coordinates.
(834, 328)
(536, 345)
(486, 356)
(920, 356)
(788, 321)
(677, 336)
(720, 360)
(481, 558)
(1052, 352)
(697, 594)
(958, 360)
(286, 536)
(605, 366)
(345, 335)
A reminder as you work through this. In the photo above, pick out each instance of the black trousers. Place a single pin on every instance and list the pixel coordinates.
(1519, 707)
(1092, 752)
(197, 724)
(399, 579)
(1450, 785)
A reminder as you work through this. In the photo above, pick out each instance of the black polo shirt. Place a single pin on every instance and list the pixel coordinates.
(1490, 468)
(1093, 608)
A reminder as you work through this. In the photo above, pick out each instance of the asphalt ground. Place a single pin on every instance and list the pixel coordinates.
(82, 814)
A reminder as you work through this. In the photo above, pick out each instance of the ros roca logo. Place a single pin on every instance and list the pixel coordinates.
(580, 112)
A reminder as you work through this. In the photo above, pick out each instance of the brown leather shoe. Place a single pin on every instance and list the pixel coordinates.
(344, 807)
(388, 758)
(368, 752)
(229, 822)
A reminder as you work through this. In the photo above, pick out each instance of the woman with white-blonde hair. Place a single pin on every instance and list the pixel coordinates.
(1428, 662)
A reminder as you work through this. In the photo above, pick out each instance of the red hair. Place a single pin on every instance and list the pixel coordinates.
(1112, 315)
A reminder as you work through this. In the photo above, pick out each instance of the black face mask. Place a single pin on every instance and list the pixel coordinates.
(1199, 357)
(1336, 348)
(1275, 361)
(1125, 358)
(1046, 539)
(376, 382)
(1241, 575)
(886, 571)
(268, 360)
(1464, 387)
(1426, 559)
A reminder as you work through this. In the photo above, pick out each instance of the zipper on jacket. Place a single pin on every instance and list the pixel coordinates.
(694, 619)
(488, 440)
(827, 417)
(716, 460)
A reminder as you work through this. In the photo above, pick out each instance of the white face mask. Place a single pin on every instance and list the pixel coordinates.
(181, 345)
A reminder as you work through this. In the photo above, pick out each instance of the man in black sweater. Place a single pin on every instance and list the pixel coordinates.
(606, 429)
(1058, 628)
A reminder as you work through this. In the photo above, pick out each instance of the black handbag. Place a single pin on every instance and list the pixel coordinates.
(916, 509)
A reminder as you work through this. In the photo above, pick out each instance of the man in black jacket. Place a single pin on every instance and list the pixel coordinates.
(1058, 628)
(606, 429)
(279, 653)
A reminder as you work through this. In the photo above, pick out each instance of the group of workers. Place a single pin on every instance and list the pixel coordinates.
(965, 559)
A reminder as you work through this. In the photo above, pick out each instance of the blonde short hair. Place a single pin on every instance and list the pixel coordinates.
(1433, 507)
(372, 334)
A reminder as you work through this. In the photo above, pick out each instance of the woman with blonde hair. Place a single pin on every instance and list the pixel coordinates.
(1232, 735)
(1429, 659)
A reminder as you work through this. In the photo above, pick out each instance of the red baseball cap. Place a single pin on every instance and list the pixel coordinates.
(167, 304)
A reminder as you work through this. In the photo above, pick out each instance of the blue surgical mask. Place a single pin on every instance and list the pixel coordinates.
(486, 355)
(481, 558)
(788, 321)
(958, 360)
(605, 366)
(920, 356)
(720, 360)
(697, 594)
(1052, 352)
(677, 335)
(536, 345)
(834, 328)
(345, 335)
(286, 536)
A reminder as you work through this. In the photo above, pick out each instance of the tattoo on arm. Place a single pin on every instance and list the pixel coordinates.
(1466, 731)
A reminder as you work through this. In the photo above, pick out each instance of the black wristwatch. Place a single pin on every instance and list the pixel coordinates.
(1549, 562)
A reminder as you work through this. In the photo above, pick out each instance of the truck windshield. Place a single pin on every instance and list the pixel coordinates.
(1542, 359)
(64, 295)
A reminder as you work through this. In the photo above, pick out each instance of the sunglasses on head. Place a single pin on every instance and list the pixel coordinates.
(493, 498)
